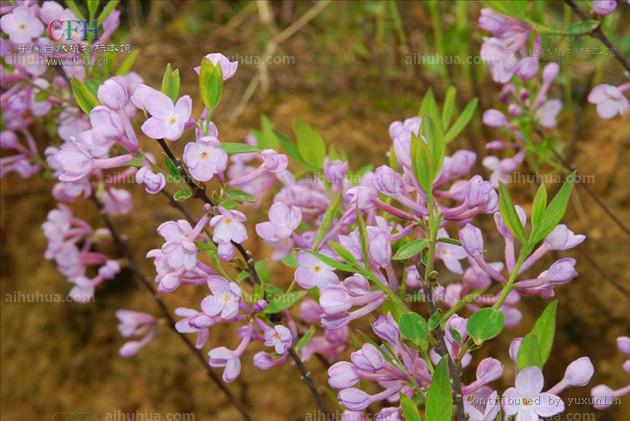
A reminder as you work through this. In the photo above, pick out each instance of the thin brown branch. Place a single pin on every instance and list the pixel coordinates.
(123, 249)
(599, 34)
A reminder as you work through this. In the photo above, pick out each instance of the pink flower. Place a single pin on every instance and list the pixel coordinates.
(112, 94)
(205, 158)
(609, 100)
(133, 323)
(21, 25)
(153, 182)
(168, 119)
(179, 249)
(228, 68)
(500, 58)
(400, 133)
(311, 272)
(548, 112)
(283, 220)
(225, 298)
(228, 226)
(526, 400)
(279, 337)
(228, 359)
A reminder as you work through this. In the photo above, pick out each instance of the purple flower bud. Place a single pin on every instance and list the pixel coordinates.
(105, 123)
(623, 344)
(472, 240)
(153, 182)
(488, 370)
(626, 366)
(386, 328)
(112, 94)
(368, 358)
(354, 399)
(223, 357)
(604, 7)
(260, 305)
(342, 375)
(263, 360)
(562, 238)
(514, 347)
(335, 171)
(228, 68)
(357, 285)
(334, 299)
(579, 372)
(379, 247)
(494, 118)
(387, 181)
(550, 73)
(562, 271)
(603, 396)
(527, 68)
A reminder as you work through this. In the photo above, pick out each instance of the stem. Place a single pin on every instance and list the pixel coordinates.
(124, 251)
(308, 381)
(599, 34)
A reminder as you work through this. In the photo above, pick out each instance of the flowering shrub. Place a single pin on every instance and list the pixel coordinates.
(359, 249)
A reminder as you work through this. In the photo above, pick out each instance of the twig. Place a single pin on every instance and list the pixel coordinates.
(308, 381)
(599, 34)
(454, 368)
(124, 251)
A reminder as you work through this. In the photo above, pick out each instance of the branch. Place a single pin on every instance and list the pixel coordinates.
(599, 34)
(454, 368)
(200, 193)
(124, 251)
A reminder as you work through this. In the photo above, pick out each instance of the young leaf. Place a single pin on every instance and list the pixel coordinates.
(229, 204)
(290, 148)
(310, 145)
(181, 195)
(414, 327)
(170, 83)
(485, 324)
(439, 404)
(545, 329)
(267, 138)
(127, 63)
(410, 249)
(539, 206)
(327, 221)
(422, 163)
(429, 108)
(284, 302)
(409, 408)
(235, 148)
(171, 167)
(305, 339)
(529, 353)
(449, 107)
(85, 98)
(92, 6)
(435, 139)
(509, 215)
(344, 253)
(210, 83)
(290, 260)
(462, 121)
(109, 8)
(241, 196)
(333, 263)
(555, 211)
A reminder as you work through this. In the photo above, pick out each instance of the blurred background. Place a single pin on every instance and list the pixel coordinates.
(348, 68)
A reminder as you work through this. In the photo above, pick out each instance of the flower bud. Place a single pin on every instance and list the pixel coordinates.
(334, 299)
(354, 399)
(342, 375)
(579, 372)
(623, 344)
(112, 94)
(550, 73)
(603, 396)
(387, 181)
(368, 358)
(273, 161)
(494, 118)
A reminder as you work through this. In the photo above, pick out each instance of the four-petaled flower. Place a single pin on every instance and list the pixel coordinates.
(527, 401)
(167, 119)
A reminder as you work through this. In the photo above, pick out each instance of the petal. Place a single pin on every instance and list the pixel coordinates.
(526, 414)
(183, 108)
(511, 401)
(211, 305)
(159, 105)
(530, 382)
(607, 109)
(154, 128)
(547, 405)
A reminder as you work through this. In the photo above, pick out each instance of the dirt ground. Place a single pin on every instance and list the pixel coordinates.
(62, 356)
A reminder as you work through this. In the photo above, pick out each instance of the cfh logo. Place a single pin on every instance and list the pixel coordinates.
(65, 29)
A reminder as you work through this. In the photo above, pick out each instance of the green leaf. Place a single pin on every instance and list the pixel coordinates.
(410, 249)
(327, 221)
(485, 324)
(241, 196)
(434, 320)
(267, 138)
(171, 167)
(262, 270)
(210, 83)
(409, 408)
(310, 145)
(538, 206)
(414, 327)
(529, 353)
(92, 6)
(449, 107)
(514, 8)
(128, 62)
(363, 235)
(435, 139)
(422, 163)
(42, 96)
(429, 108)
(462, 121)
(291, 149)
(305, 339)
(333, 263)
(84, 97)
(284, 302)
(72, 5)
(509, 215)
(343, 252)
(109, 8)
(181, 195)
(170, 83)
(545, 330)
(574, 28)
(449, 241)
(236, 148)
(439, 404)
(290, 260)
(555, 211)
(229, 204)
